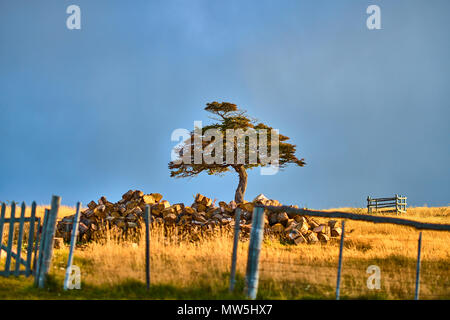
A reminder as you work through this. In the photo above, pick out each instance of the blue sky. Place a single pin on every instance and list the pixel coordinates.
(90, 112)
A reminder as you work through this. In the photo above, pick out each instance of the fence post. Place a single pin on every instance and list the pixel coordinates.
(237, 220)
(368, 205)
(10, 238)
(147, 245)
(49, 238)
(73, 243)
(419, 248)
(31, 243)
(341, 248)
(41, 235)
(20, 240)
(2, 223)
(396, 203)
(36, 246)
(254, 249)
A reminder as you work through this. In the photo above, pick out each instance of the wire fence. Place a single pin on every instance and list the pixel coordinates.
(399, 275)
(307, 271)
(394, 283)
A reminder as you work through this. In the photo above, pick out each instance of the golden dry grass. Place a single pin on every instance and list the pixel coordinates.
(286, 271)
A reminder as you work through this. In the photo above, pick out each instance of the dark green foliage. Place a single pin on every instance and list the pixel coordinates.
(229, 116)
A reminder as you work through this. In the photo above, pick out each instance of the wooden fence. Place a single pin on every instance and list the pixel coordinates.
(396, 204)
(38, 243)
(257, 232)
(31, 243)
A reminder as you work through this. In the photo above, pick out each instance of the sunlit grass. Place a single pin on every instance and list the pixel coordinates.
(200, 270)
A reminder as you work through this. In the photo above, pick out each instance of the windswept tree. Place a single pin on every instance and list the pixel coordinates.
(234, 142)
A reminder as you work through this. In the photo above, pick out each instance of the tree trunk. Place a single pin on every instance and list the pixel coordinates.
(240, 191)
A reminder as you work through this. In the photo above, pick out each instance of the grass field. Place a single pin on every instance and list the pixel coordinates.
(200, 270)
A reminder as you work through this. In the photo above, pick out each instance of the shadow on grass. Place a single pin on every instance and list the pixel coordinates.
(131, 289)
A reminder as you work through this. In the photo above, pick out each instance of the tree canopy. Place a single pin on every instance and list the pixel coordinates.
(234, 141)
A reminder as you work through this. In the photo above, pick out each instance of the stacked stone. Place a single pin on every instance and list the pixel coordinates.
(202, 217)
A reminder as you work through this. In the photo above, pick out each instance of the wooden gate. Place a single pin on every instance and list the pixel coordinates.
(396, 204)
(22, 249)
(29, 244)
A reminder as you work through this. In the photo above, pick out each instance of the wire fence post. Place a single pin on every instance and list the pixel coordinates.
(341, 248)
(237, 220)
(256, 236)
(147, 246)
(73, 242)
(419, 248)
